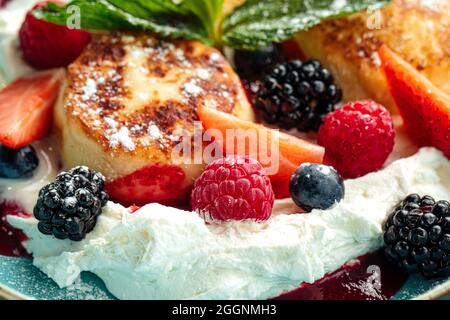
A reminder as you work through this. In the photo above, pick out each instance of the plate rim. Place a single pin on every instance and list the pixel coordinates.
(433, 294)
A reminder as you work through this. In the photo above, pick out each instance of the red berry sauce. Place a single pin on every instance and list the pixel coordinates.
(355, 280)
(11, 238)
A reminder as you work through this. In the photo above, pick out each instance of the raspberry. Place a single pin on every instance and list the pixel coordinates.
(357, 138)
(233, 188)
(46, 45)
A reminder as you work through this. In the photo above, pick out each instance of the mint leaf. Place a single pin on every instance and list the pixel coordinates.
(160, 16)
(258, 23)
(255, 24)
(209, 11)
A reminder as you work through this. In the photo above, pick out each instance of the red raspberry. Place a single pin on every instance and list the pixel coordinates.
(357, 138)
(46, 45)
(233, 188)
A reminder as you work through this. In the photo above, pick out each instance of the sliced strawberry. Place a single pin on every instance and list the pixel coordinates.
(291, 151)
(425, 109)
(165, 184)
(26, 108)
(46, 45)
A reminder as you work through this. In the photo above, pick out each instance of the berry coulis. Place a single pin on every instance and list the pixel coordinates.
(11, 238)
(369, 277)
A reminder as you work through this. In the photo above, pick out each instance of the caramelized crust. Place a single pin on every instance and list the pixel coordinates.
(130, 97)
(418, 30)
(144, 84)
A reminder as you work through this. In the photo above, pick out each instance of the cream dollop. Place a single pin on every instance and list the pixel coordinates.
(160, 252)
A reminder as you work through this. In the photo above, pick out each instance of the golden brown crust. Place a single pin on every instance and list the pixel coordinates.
(125, 85)
(418, 30)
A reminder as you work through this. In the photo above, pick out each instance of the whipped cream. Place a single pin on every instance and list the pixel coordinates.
(160, 252)
(12, 16)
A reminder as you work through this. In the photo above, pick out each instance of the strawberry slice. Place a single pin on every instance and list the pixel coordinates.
(165, 184)
(425, 109)
(26, 108)
(291, 151)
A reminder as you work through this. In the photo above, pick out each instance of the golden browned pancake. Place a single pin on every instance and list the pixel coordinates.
(418, 30)
(127, 94)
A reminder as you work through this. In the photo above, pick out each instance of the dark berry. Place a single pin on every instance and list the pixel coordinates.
(17, 163)
(251, 65)
(69, 207)
(316, 186)
(84, 197)
(417, 236)
(304, 93)
(441, 209)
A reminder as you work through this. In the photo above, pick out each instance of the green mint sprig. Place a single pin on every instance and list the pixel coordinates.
(254, 24)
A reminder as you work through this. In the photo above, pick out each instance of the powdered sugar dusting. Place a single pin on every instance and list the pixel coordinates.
(121, 89)
(191, 88)
(122, 137)
(89, 89)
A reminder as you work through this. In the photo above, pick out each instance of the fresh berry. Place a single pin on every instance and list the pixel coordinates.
(417, 235)
(17, 163)
(297, 95)
(164, 184)
(357, 138)
(425, 109)
(26, 108)
(3, 3)
(316, 186)
(251, 65)
(233, 188)
(290, 152)
(69, 206)
(46, 45)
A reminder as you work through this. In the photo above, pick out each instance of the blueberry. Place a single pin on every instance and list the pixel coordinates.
(17, 163)
(316, 186)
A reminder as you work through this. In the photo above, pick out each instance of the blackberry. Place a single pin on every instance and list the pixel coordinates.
(251, 65)
(297, 95)
(17, 163)
(68, 208)
(417, 236)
